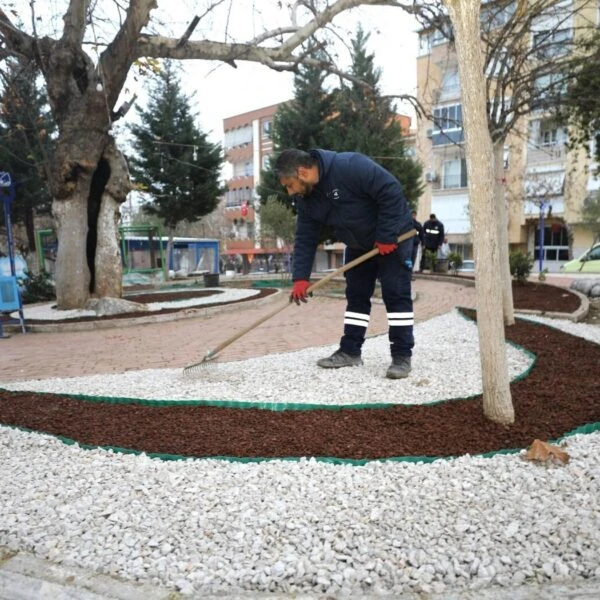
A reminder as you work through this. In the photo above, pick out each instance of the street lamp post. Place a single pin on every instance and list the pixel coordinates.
(541, 236)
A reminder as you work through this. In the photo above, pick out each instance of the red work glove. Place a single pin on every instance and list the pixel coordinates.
(385, 248)
(299, 291)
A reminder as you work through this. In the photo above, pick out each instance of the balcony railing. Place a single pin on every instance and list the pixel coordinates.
(237, 201)
(545, 154)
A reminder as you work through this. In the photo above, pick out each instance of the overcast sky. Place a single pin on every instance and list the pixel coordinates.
(223, 91)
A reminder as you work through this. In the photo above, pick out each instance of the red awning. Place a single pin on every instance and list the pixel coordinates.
(257, 251)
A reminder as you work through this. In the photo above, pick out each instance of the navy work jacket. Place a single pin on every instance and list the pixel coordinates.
(362, 201)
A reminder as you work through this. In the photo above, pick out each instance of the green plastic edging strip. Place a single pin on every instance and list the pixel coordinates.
(262, 283)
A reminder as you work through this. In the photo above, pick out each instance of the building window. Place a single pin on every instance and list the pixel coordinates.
(234, 198)
(435, 38)
(447, 118)
(552, 43)
(450, 84)
(447, 125)
(442, 35)
(499, 63)
(243, 169)
(266, 129)
(548, 87)
(551, 136)
(497, 15)
(548, 137)
(266, 162)
(556, 243)
(455, 174)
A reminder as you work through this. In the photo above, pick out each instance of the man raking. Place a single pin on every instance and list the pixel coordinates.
(367, 208)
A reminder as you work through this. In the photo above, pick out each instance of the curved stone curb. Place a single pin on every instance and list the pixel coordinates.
(580, 314)
(185, 313)
(24, 575)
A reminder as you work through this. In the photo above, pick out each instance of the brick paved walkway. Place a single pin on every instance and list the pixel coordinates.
(175, 344)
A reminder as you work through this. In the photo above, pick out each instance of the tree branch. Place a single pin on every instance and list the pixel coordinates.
(119, 55)
(14, 42)
(74, 19)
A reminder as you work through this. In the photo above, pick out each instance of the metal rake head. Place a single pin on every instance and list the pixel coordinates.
(203, 364)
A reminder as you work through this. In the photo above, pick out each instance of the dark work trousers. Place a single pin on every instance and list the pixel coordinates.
(395, 277)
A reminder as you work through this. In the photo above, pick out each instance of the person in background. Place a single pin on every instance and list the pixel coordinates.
(366, 206)
(433, 235)
(418, 239)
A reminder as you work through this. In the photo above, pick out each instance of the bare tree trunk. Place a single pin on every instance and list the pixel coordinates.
(508, 310)
(497, 403)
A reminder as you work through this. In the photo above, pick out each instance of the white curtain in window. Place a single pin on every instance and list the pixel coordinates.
(451, 174)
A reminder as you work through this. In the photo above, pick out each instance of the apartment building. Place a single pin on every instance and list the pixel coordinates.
(248, 146)
(545, 183)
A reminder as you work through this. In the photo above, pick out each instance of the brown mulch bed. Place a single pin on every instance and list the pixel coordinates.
(547, 298)
(559, 395)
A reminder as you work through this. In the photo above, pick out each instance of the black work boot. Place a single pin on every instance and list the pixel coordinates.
(340, 359)
(400, 367)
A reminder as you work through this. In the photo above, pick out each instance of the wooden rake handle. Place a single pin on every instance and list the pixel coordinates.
(315, 286)
(361, 259)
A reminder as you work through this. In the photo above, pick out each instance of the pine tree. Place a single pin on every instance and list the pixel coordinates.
(364, 121)
(26, 129)
(304, 123)
(353, 118)
(174, 164)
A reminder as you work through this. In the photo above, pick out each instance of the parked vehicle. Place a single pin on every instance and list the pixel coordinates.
(468, 266)
(588, 262)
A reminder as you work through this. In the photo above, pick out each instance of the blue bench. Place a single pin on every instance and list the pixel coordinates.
(10, 299)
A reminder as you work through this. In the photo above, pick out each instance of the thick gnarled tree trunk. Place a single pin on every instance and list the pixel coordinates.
(86, 214)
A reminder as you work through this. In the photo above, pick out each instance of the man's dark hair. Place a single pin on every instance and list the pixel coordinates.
(432, 216)
(289, 161)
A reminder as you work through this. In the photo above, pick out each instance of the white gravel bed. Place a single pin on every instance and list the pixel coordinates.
(307, 527)
(589, 332)
(48, 312)
(209, 526)
(445, 364)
